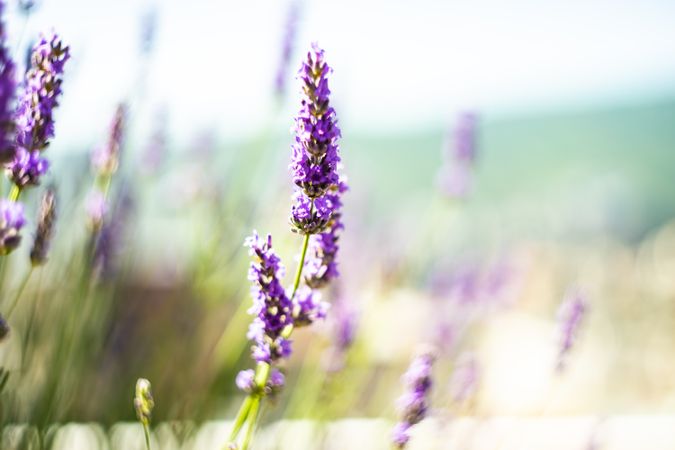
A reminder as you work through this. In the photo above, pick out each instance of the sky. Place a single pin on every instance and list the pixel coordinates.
(398, 65)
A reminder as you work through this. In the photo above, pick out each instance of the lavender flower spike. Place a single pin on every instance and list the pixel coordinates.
(34, 117)
(11, 221)
(315, 153)
(459, 155)
(7, 91)
(271, 306)
(413, 405)
(570, 315)
(45, 229)
(105, 159)
(290, 30)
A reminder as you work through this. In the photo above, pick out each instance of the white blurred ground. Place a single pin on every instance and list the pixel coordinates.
(569, 433)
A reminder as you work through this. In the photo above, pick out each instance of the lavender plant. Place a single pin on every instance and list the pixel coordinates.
(459, 157)
(414, 403)
(277, 312)
(570, 316)
(7, 94)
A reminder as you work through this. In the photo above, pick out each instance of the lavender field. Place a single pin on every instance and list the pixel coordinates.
(337, 225)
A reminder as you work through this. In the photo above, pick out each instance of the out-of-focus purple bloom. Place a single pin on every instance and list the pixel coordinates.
(27, 168)
(34, 115)
(96, 207)
(321, 265)
(414, 403)
(308, 307)
(465, 377)
(105, 159)
(45, 228)
(272, 308)
(343, 330)
(7, 94)
(245, 380)
(35, 122)
(315, 154)
(155, 151)
(110, 237)
(459, 155)
(12, 219)
(570, 315)
(290, 30)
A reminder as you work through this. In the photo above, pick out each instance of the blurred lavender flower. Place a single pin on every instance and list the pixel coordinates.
(315, 153)
(465, 377)
(34, 116)
(271, 307)
(308, 307)
(290, 31)
(155, 151)
(96, 207)
(321, 265)
(414, 403)
(11, 221)
(343, 330)
(110, 237)
(7, 93)
(245, 381)
(45, 229)
(105, 159)
(459, 155)
(570, 315)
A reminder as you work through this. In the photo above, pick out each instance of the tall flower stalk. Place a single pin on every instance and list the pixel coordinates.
(315, 162)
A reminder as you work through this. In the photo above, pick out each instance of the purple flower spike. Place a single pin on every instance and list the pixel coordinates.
(290, 30)
(7, 92)
(105, 159)
(315, 154)
(34, 115)
(570, 315)
(12, 219)
(271, 307)
(42, 92)
(413, 405)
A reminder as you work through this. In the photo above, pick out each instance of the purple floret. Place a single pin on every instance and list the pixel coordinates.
(12, 219)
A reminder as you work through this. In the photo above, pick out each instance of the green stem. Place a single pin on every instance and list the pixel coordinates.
(146, 431)
(14, 193)
(242, 415)
(19, 292)
(253, 414)
(249, 409)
